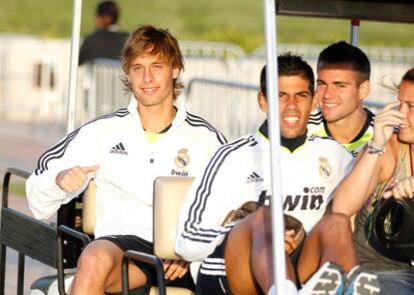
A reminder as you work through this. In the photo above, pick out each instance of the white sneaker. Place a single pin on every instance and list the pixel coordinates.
(360, 282)
(272, 290)
(290, 289)
(328, 280)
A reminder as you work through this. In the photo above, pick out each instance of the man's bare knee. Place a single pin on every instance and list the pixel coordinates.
(260, 220)
(96, 260)
(103, 259)
(336, 242)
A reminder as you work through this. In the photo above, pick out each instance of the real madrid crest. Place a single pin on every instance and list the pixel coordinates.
(325, 169)
(182, 160)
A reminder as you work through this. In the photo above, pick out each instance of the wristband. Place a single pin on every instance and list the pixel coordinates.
(372, 149)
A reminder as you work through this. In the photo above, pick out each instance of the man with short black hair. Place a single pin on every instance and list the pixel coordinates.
(237, 259)
(342, 85)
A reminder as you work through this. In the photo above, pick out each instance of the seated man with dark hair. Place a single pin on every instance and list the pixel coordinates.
(238, 259)
(342, 85)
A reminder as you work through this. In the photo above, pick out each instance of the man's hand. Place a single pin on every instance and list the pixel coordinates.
(73, 178)
(384, 123)
(403, 188)
(290, 243)
(175, 269)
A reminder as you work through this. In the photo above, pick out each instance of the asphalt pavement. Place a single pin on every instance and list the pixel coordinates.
(20, 146)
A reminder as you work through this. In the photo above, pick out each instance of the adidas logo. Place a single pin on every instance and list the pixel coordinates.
(119, 149)
(254, 177)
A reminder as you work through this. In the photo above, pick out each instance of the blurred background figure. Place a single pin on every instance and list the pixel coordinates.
(106, 41)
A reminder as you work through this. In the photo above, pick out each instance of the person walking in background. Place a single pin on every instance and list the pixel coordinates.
(106, 41)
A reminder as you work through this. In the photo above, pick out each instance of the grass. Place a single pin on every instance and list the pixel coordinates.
(238, 21)
(16, 188)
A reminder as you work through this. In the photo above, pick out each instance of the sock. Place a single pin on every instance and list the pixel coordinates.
(352, 270)
(290, 288)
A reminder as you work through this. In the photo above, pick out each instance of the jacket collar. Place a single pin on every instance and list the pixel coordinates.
(290, 143)
(178, 119)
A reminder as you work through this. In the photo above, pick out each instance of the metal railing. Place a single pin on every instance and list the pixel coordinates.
(101, 90)
(223, 50)
(229, 105)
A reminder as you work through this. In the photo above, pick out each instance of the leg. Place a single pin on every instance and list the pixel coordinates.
(249, 256)
(330, 240)
(396, 281)
(99, 270)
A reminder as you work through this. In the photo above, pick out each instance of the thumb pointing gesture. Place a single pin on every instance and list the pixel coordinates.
(72, 179)
(89, 169)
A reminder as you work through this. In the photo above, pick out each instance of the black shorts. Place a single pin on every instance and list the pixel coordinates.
(294, 257)
(212, 277)
(130, 242)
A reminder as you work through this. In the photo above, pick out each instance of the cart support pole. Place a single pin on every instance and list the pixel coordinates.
(279, 266)
(73, 70)
(354, 32)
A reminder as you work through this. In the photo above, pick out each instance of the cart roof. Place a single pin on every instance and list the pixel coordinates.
(378, 10)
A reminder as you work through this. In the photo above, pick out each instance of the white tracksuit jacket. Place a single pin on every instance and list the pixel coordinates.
(128, 165)
(240, 171)
(317, 125)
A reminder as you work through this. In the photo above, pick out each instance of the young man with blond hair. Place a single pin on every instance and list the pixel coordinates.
(124, 152)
